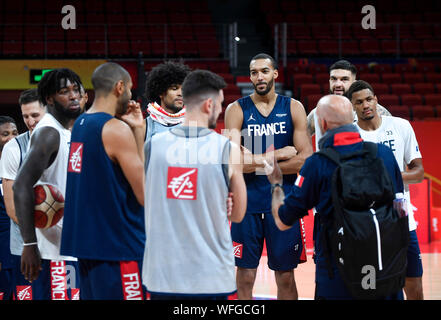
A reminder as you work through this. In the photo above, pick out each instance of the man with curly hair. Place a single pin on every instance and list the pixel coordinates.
(163, 91)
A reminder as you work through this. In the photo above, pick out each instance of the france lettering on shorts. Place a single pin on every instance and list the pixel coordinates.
(259, 133)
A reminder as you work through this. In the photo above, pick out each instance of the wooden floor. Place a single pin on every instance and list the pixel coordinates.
(265, 287)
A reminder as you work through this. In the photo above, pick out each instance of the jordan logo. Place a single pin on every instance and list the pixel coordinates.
(182, 183)
(251, 118)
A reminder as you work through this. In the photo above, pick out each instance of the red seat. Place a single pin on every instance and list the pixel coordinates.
(431, 46)
(350, 47)
(371, 46)
(411, 47)
(307, 47)
(422, 31)
(77, 48)
(413, 77)
(186, 48)
(388, 99)
(388, 46)
(380, 88)
(55, 48)
(433, 77)
(382, 68)
(322, 78)
(298, 32)
(438, 111)
(309, 89)
(140, 46)
(421, 112)
(411, 99)
(391, 78)
(34, 48)
(370, 77)
(13, 48)
(403, 68)
(400, 111)
(322, 32)
(311, 101)
(423, 88)
(432, 99)
(328, 47)
(97, 48)
(119, 48)
(400, 88)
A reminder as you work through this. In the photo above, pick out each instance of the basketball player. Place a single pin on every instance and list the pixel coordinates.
(189, 252)
(104, 221)
(8, 131)
(398, 135)
(341, 75)
(46, 163)
(267, 120)
(12, 157)
(164, 93)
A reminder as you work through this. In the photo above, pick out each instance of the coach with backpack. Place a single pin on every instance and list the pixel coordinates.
(360, 237)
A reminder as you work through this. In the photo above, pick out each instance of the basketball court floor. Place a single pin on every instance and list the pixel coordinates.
(265, 286)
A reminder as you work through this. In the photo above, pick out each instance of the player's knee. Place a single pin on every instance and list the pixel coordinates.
(285, 279)
(246, 277)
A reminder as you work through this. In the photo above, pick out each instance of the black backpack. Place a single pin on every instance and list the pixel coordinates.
(366, 237)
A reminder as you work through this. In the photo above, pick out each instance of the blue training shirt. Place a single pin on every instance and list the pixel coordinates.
(102, 218)
(315, 191)
(258, 134)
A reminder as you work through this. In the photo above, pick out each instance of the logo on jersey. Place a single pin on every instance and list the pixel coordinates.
(251, 118)
(299, 181)
(24, 293)
(75, 294)
(237, 249)
(182, 183)
(266, 129)
(75, 157)
(131, 281)
(280, 115)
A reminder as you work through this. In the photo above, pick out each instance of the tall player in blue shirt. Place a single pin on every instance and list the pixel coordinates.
(268, 124)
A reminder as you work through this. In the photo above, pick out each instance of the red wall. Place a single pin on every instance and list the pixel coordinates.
(428, 134)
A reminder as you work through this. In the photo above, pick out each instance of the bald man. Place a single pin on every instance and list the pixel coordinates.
(314, 183)
(103, 210)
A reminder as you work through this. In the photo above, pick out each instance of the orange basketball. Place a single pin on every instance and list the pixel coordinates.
(49, 206)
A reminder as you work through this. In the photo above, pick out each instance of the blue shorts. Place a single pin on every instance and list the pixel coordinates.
(6, 284)
(58, 280)
(414, 263)
(285, 249)
(110, 280)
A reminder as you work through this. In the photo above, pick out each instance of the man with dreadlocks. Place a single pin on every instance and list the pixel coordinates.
(46, 163)
(163, 91)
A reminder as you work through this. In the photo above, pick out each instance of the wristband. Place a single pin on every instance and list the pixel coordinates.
(273, 186)
(30, 244)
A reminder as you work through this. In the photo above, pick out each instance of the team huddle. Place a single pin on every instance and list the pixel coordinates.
(163, 207)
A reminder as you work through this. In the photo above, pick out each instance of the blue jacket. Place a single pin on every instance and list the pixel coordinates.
(313, 189)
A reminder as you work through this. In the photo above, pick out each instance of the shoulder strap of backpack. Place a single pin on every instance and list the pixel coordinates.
(331, 154)
(371, 148)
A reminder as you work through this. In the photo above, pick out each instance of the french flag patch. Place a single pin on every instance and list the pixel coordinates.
(299, 181)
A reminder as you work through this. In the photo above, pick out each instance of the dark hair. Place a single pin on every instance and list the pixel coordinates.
(200, 82)
(28, 96)
(51, 82)
(266, 56)
(358, 86)
(162, 77)
(345, 65)
(105, 76)
(6, 119)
